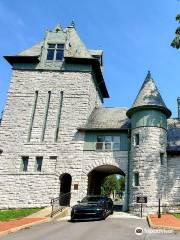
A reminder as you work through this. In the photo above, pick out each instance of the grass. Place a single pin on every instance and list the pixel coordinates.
(6, 215)
(177, 215)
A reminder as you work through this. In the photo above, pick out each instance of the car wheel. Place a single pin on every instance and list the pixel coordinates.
(104, 215)
(112, 211)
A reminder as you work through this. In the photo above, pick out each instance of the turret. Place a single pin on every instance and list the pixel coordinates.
(148, 162)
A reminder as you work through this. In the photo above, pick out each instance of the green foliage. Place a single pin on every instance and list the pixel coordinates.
(176, 41)
(111, 184)
(6, 215)
(178, 18)
(122, 183)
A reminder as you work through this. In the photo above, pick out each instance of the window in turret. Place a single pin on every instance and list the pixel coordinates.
(136, 179)
(162, 158)
(55, 52)
(137, 139)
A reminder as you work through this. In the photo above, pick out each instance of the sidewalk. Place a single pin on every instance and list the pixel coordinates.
(167, 221)
(17, 224)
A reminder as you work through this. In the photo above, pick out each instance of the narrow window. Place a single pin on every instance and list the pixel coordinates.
(51, 51)
(46, 116)
(136, 179)
(60, 52)
(32, 116)
(39, 164)
(24, 164)
(59, 116)
(162, 158)
(137, 139)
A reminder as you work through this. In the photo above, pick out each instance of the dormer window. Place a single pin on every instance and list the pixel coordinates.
(55, 52)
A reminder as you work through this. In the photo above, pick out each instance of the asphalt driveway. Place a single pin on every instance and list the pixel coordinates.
(109, 229)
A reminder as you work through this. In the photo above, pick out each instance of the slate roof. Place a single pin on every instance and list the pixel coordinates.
(173, 135)
(74, 47)
(35, 50)
(104, 118)
(149, 97)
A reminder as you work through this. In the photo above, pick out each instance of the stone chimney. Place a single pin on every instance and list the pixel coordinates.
(178, 102)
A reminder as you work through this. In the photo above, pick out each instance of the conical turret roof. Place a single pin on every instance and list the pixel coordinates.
(149, 98)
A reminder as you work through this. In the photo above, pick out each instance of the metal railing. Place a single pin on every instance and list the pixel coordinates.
(59, 203)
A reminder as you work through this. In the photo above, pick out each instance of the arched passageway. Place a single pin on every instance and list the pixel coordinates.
(65, 189)
(97, 176)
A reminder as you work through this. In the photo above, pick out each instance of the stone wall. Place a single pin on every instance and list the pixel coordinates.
(145, 160)
(80, 97)
(173, 164)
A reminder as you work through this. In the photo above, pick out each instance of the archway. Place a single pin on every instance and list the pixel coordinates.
(97, 176)
(65, 189)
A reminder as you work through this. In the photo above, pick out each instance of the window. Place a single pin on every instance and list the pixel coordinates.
(162, 158)
(25, 160)
(39, 164)
(108, 143)
(55, 52)
(137, 139)
(136, 179)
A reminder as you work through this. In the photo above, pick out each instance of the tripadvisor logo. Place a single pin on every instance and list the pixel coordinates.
(138, 231)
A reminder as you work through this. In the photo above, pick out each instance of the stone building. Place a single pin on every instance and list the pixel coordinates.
(56, 137)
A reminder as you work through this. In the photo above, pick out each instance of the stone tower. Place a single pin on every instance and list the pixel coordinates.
(55, 86)
(148, 160)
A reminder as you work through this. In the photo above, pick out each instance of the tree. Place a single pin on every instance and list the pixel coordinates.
(110, 185)
(122, 183)
(176, 41)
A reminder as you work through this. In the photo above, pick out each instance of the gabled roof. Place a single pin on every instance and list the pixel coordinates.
(104, 118)
(149, 97)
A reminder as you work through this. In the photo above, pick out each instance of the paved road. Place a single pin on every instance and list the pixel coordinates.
(110, 229)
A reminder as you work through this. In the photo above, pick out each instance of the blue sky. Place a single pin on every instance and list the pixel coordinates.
(134, 34)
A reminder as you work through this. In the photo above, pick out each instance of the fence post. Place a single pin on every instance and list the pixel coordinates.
(159, 208)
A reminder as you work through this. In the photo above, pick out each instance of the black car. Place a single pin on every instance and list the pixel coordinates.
(92, 208)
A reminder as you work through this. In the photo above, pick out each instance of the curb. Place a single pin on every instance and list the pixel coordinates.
(152, 225)
(15, 229)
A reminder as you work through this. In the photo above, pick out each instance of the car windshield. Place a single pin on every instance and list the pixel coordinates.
(92, 199)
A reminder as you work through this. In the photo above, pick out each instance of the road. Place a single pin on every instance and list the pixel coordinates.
(109, 229)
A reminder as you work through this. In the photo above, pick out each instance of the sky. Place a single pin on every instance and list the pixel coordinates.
(135, 36)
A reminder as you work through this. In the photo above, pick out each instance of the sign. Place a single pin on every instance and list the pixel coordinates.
(141, 199)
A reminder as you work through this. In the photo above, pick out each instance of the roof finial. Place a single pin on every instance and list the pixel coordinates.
(148, 75)
(58, 28)
(72, 25)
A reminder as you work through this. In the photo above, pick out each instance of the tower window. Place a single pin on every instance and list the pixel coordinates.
(137, 139)
(162, 158)
(24, 165)
(55, 52)
(136, 179)
(39, 164)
